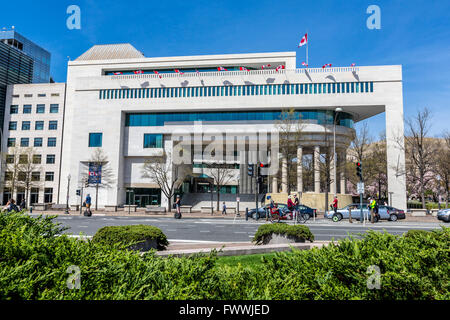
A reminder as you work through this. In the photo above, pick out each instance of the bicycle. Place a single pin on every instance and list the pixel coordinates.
(302, 217)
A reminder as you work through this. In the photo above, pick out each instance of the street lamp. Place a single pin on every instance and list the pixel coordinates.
(67, 200)
(337, 110)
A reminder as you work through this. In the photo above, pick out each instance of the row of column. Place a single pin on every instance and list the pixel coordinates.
(316, 154)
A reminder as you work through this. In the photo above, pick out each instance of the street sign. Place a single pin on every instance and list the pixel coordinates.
(237, 199)
(360, 187)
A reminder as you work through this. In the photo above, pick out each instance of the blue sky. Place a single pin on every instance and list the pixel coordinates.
(414, 34)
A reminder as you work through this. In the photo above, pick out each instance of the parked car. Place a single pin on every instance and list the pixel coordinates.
(444, 215)
(384, 212)
(284, 209)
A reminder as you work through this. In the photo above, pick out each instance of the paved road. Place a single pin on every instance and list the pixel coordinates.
(227, 230)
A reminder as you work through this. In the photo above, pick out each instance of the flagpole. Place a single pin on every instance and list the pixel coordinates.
(307, 44)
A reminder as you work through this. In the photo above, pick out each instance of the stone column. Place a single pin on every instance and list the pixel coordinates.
(299, 169)
(274, 184)
(284, 175)
(342, 162)
(316, 169)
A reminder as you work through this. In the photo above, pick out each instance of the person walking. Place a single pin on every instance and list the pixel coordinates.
(88, 204)
(178, 208)
(296, 206)
(335, 204)
(22, 204)
(224, 208)
(11, 206)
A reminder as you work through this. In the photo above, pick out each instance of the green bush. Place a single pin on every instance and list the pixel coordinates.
(35, 256)
(297, 232)
(129, 235)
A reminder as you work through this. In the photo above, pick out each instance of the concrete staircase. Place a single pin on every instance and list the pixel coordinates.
(198, 200)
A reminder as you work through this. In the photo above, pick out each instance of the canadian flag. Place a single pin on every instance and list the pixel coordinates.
(117, 73)
(178, 71)
(243, 69)
(303, 41)
(138, 71)
(326, 65)
(157, 73)
(353, 64)
(304, 64)
(221, 69)
(265, 66)
(280, 67)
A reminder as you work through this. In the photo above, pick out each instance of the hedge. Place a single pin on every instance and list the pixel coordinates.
(298, 232)
(128, 235)
(35, 256)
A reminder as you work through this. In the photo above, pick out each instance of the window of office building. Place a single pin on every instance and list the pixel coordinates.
(27, 108)
(37, 142)
(153, 140)
(41, 95)
(11, 142)
(51, 142)
(12, 125)
(95, 139)
(26, 125)
(39, 125)
(9, 158)
(49, 176)
(23, 159)
(34, 195)
(54, 108)
(52, 125)
(40, 108)
(37, 158)
(35, 176)
(24, 142)
(48, 195)
(50, 159)
(14, 109)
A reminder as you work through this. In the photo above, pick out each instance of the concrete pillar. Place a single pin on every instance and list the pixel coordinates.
(274, 184)
(316, 169)
(342, 162)
(299, 169)
(284, 175)
(242, 172)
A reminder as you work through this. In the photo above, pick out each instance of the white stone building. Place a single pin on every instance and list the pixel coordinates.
(134, 108)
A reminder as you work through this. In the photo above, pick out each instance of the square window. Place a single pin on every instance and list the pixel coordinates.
(26, 125)
(39, 125)
(24, 142)
(10, 158)
(50, 159)
(14, 109)
(27, 108)
(11, 142)
(95, 139)
(54, 108)
(40, 108)
(12, 125)
(38, 142)
(51, 142)
(35, 176)
(49, 176)
(52, 125)
(37, 158)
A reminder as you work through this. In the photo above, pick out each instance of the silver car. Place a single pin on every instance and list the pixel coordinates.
(444, 215)
(384, 213)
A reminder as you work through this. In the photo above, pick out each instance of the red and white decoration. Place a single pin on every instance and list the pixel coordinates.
(303, 41)
(280, 67)
(178, 71)
(138, 72)
(265, 66)
(353, 64)
(304, 64)
(117, 73)
(243, 69)
(221, 69)
(326, 65)
(157, 73)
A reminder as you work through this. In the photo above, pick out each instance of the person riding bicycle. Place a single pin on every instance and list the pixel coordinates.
(291, 206)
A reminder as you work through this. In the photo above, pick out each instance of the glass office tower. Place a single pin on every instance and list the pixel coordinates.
(40, 56)
(15, 67)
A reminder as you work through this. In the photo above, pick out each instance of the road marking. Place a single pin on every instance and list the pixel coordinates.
(240, 232)
(171, 229)
(205, 231)
(194, 241)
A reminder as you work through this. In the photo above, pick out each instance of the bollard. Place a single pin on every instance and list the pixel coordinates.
(246, 214)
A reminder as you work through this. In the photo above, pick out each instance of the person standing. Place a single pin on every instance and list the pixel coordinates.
(224, 208)
(372, 205)
(296, 205)
(178, 208)
(22, 204)
(335, 204)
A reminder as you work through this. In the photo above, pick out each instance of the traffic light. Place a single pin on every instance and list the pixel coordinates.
(86, 184)
(78, 192)
(359, 170)
(260, 167)
(250, 169)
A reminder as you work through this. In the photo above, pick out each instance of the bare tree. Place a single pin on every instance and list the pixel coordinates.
(165, 174)
(12, 168)
(419, 150)
(290, 128)
(29, 172)
(442, 165)
(221, 173)
(101, 176)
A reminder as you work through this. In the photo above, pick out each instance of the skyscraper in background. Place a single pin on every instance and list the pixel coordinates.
(40, 56)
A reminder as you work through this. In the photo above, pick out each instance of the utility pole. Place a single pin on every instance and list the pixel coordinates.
(67, 200)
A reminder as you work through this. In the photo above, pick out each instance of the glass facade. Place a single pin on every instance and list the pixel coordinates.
(309, 116)
(95, 139)
(153, 140)
(247, 90)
